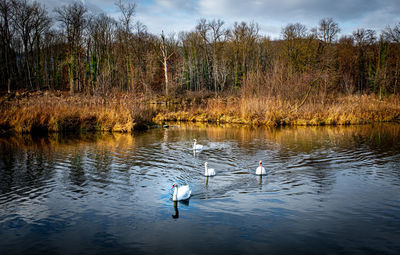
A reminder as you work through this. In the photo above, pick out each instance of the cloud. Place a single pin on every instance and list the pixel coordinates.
(272, 15)
(95, 6)
(187, 5)
(289, 9)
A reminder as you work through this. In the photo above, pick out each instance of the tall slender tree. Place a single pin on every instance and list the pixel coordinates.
(73, 20)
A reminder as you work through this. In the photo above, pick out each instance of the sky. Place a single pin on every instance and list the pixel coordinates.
(173, 16)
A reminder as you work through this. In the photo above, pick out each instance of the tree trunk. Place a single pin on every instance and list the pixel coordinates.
(165, 58)
(9, 85)
(166, 76)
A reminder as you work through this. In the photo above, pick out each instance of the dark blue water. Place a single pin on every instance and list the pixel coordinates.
(329, 190)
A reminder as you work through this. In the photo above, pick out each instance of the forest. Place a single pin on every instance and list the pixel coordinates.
(93, 55)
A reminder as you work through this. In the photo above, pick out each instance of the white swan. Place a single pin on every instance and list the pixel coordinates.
(181, 192)
(197, 146)
(260, 170)
(208, 171)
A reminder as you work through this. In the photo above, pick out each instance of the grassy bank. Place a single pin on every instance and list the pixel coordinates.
(59, 111)
(123, 112)
(344, 110)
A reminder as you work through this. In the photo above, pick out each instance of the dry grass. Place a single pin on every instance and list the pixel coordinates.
(271, 111)
(122, 112)
(55, 112)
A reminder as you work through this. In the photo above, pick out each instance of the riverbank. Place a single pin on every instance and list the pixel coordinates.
(123, 112)
(345, 110)
(62, 112)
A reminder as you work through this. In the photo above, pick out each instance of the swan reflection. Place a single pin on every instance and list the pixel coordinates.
(176, 210)
(176, 215)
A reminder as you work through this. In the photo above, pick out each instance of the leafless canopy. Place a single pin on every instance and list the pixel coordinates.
(128, 10)
(328, 30)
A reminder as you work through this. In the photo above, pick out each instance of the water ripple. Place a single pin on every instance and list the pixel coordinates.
(321, 185)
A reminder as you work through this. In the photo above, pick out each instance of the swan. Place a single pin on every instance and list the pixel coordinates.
(260, 170)
(181, 192)
(208, 171)
(197, 146)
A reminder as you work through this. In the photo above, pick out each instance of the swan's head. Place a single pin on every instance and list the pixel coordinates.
(260, 163)
(195, 140)
(174, 185)
(206, 164)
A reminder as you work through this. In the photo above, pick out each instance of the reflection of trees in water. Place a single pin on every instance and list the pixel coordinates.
(217, 133)
(314, 151)
(308, 151)
(22, 169)
(307, 139)
(7, 165)
(27, 161)
(223, 137)
(8, 162)
(380, 144)
(76, 170)
(321, 173)
(100, 163)
(381, 139)
(36, 171)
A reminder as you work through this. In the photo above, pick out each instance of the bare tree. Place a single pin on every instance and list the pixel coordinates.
(6, 36)
(41, 25)
(101, 31)
(243, 37)
(364, 36)
(128, 9)
(328, 29)
(167, 52)
(217, 33)
(23, 18)
(203, 29)
(392, 34)
(294, 31)
(73, 19)
(212, 33)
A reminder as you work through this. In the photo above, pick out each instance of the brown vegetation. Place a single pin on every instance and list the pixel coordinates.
(56, 112)
(343, 110)
(76, 50)
(123, 112)
(309, 76)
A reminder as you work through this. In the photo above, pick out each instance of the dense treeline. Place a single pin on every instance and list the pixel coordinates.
(73, 49)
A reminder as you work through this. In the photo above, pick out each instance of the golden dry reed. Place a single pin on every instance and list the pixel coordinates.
(56, 112)
(123, 112)
(271, 111)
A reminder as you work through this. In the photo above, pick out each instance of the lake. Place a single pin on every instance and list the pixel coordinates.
(328, 190)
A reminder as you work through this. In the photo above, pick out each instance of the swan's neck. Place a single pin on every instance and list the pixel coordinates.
(194, 144)
(206, 170)
(175, 196)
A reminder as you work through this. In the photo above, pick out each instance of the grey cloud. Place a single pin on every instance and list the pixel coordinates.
(275, 14)
(93, 5)
(342, 10)
(183, 5)
(178, 15)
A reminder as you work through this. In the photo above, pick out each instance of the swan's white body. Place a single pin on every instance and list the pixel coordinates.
(208, 171)
(181, 192)
(260, 170)
(196, 146)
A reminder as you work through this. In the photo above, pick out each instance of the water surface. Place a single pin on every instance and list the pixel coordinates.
(329, 190)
